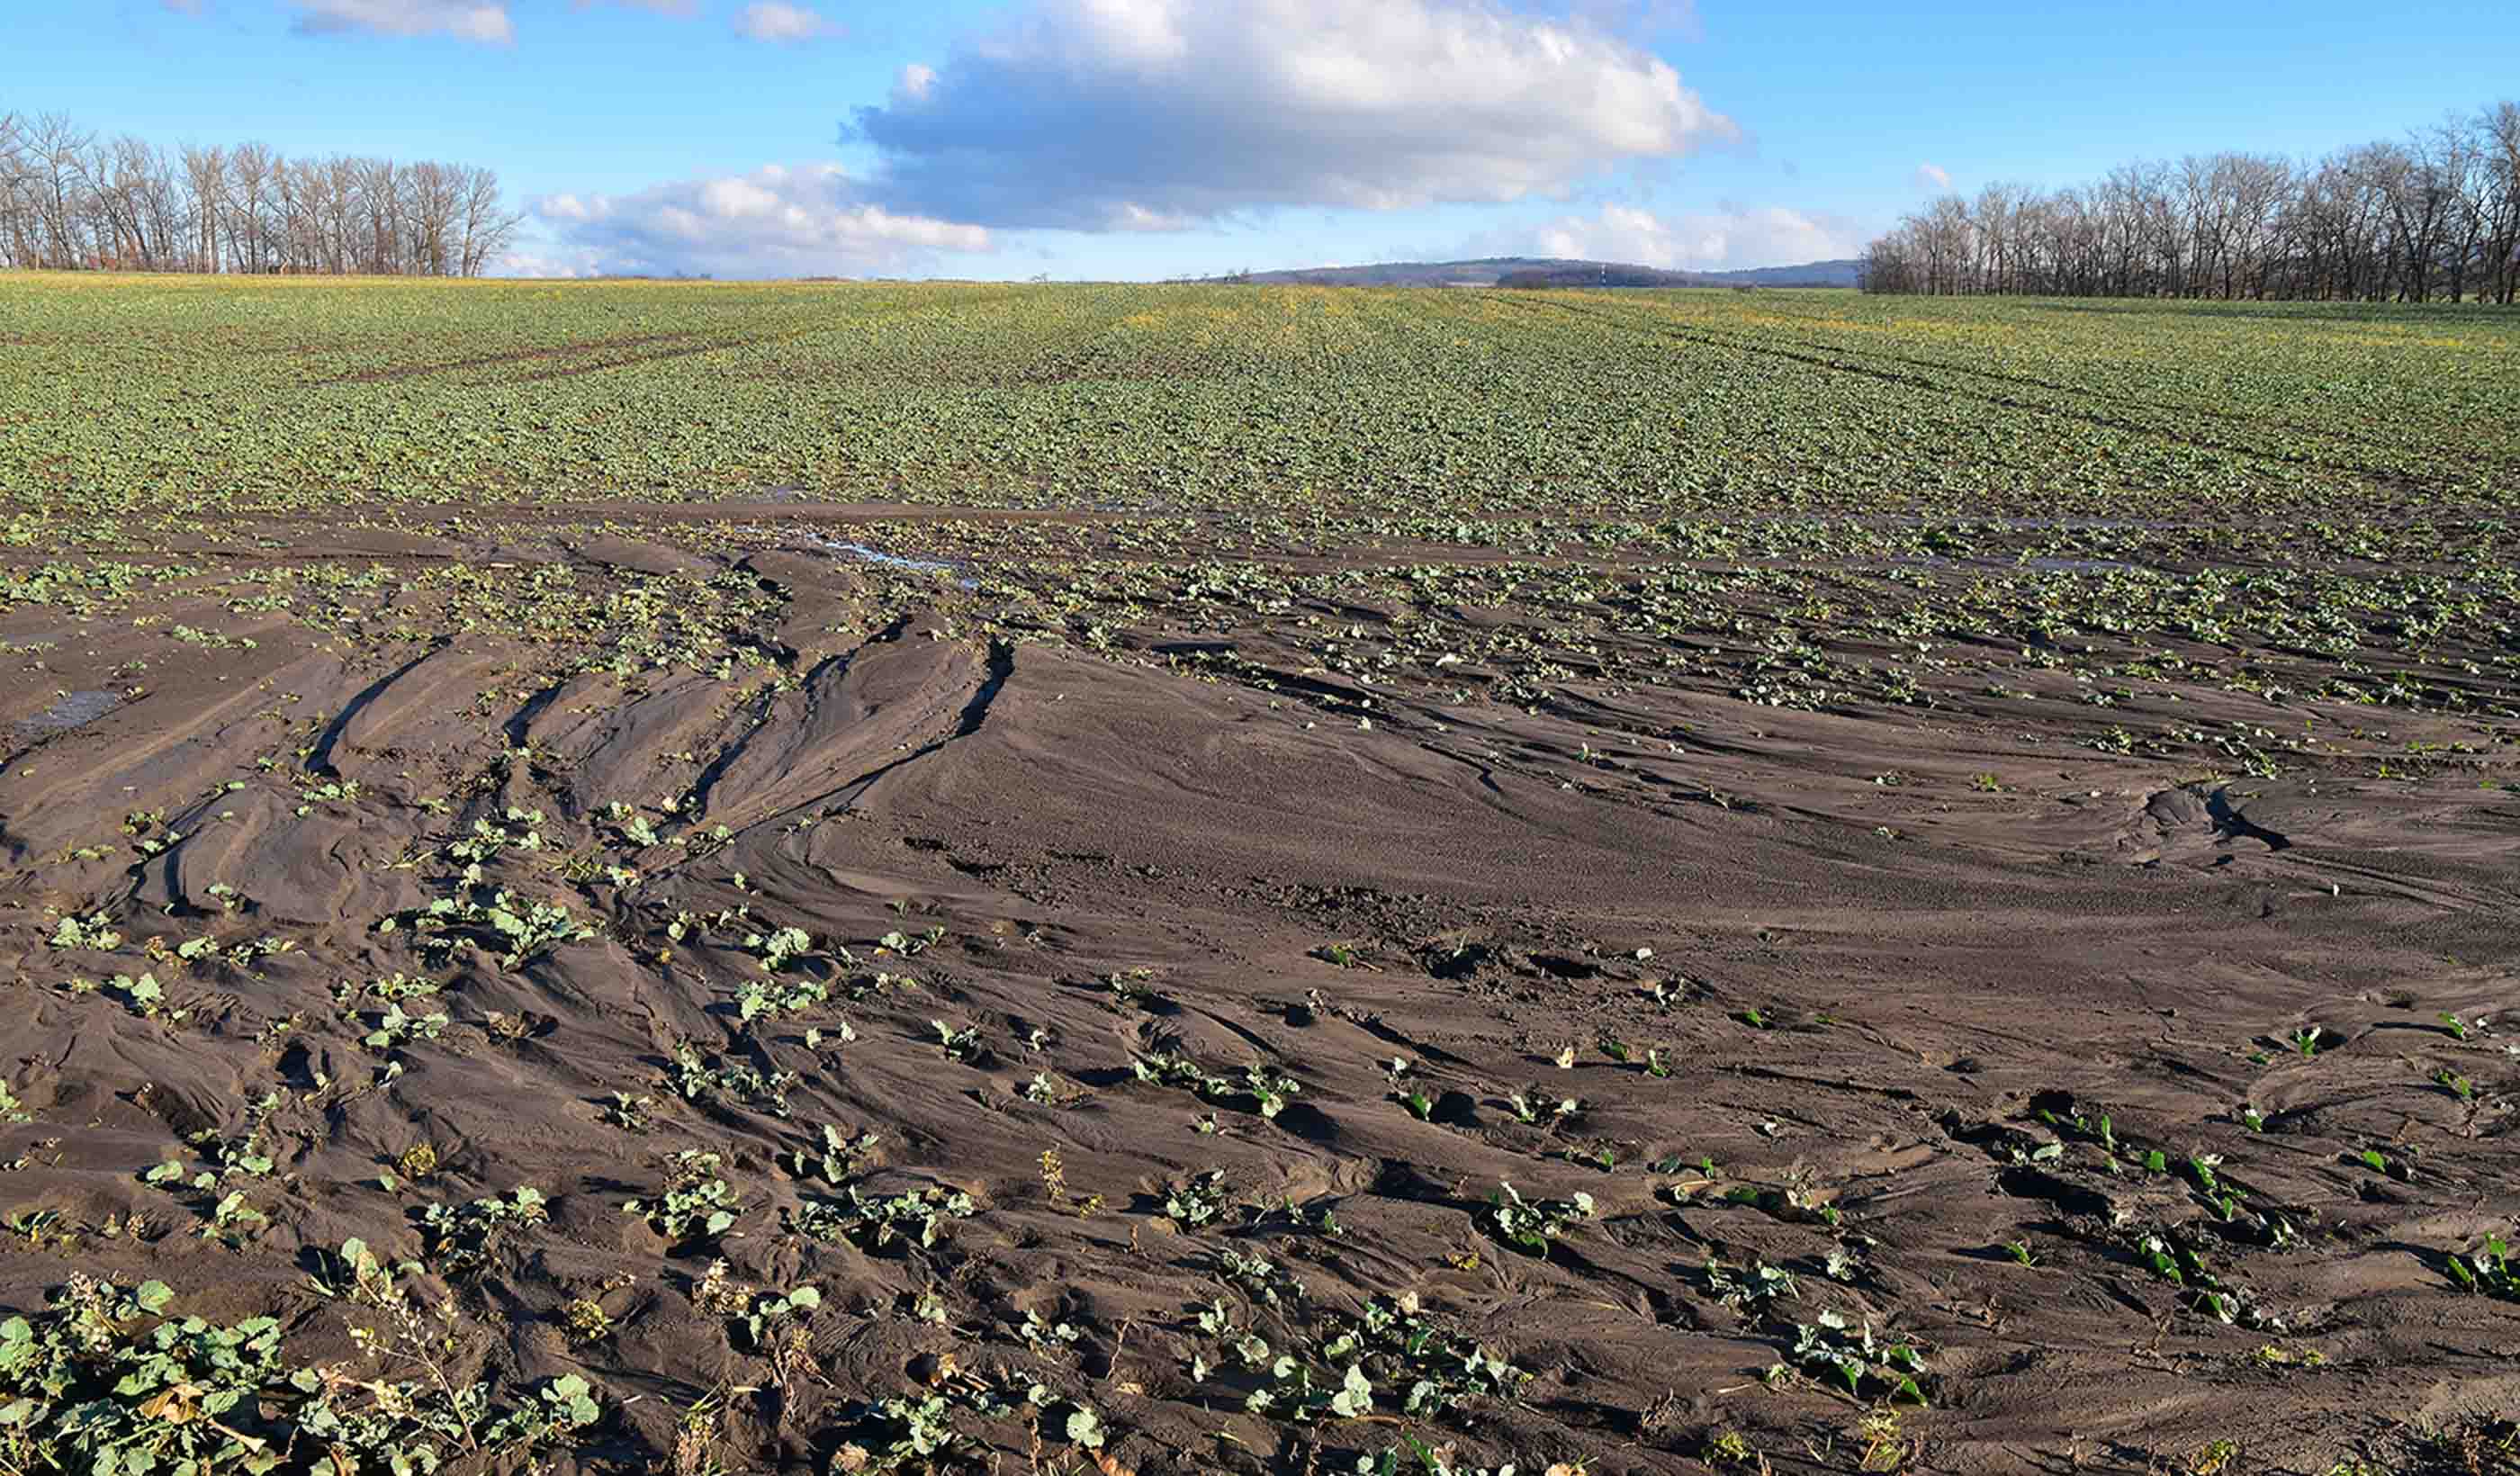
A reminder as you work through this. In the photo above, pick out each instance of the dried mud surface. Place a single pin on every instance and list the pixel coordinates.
(1888, 960)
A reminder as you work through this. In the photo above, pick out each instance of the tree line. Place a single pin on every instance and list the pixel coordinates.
(71, 198)
(2431, 216)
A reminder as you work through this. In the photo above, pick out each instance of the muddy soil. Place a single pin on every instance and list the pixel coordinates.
(1890, 1001)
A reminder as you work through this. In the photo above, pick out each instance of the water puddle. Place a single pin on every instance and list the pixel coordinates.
(1967, 524)
(864, 555)
(2048, 565)
(2033, 564)
(76, 710)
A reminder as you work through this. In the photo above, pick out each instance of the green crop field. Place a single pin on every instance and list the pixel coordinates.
(2320, 482)
(141, 400)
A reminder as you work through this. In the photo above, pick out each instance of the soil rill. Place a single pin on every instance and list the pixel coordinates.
(1194, 981)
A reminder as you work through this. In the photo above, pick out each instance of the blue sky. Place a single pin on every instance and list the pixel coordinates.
(1145, 138)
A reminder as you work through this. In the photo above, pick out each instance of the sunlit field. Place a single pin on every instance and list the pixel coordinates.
(860, 877)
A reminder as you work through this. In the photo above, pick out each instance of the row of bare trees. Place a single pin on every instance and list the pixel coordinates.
(2435, 215)
(72, 198)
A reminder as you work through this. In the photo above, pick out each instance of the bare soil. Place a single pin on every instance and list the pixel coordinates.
(1888, 960)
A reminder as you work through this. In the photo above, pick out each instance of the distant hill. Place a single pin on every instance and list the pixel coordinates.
(1844, 272)
(1555, 271)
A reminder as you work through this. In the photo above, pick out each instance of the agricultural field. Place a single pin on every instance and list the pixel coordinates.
(1160, 880)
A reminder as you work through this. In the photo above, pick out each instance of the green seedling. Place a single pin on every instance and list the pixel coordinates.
(875, 1223)
(2488, 1271)
(899, 1435)
(461, 1238)
(2384, 1165)
(111, 1381)
(1196, 1200)
(94, 933)
(396, 1029)
(694, 1203)
(770, 1318)
(1345, 1372)
(908, 945)
(1529, 1224)
(520, 931)
(1748, 1292)
(720, 1079)
(779, 948)
(1827, 1349)
(771, 999)
(1543, 1108)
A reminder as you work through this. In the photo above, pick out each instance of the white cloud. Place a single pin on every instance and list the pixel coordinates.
(1101, 113)
(772, 20)
(1700, 240)
(778, 221)
(1643, 16)
(536, 262)
(1932, 177)
(464, 19)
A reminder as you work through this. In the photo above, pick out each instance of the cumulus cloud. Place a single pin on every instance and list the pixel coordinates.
(1700, 240)
(790, 24)
(778, 221)
(538, 261)
(464, 19)
(1103, 113)
(1642, 17)
(1932, 177)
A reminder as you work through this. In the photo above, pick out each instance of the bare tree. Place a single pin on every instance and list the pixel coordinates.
(20, 246)
(68, 201)
(2499, 129)
(54, 145)
(487, 226)
(206, 176)
(2437, 212)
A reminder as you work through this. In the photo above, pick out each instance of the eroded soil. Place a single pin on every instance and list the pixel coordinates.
(1862, 992)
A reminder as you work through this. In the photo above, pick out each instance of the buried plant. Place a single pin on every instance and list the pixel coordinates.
(109, 1381)
(1529, 1224)
(2488, 1271)
(695, 1204)
(718, 1079)
(837, 1161)
(1391, 1354)
(516, 928)
(463, 1238)
(1197, 1199)
(875, 1223)
(1268, 1090)
(900, 1434)
(1826, 1349)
